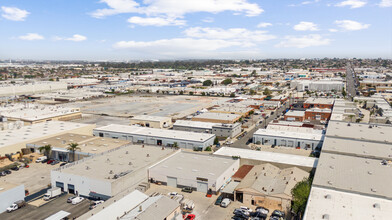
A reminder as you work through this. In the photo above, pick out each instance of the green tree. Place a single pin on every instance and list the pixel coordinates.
(207, 83)
(208, 148)
(252, 92)
(46, 149)
(344, 93)
(227, 81)
(267, 92)
(175, 145)
(253, 73)
(72, 148)
(190, 93)
(300, 194)
(203, 93)
(181, 92)
(232, 95)
(216, 141)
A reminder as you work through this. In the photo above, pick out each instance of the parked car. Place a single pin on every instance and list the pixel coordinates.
(225, 202)
(278, 213)
(16, 205)
(241, 215)
(54, 162)
(7, 172)
(258, 215)
(77, 200)
(241, 212)
(187, 189)
(63, 163)
(40, 159)
(172, 194)
(95, 203)
(219, 200)
(246, 208)
(190, 217)
(44, 161)
(69, 200)
(50, 161)
(16, 168)
(3, 173)
(262, 210)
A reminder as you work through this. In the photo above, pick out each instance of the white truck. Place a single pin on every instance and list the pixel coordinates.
(40, 159)
(51, 193)
(16, 205)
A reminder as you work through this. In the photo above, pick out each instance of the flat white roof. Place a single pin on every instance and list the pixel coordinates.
(289, 134)
(194, 124)
(154, 132)
(270, 157)
(218, 116)
(295, 113)
(150, 118)
(58, 215)
(32, 112)
(121, 206)
(343, 205)
(26, 133)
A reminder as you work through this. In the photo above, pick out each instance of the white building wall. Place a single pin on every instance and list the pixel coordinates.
(10, 196)
(287, 142)
(83, 185)
(222, 179)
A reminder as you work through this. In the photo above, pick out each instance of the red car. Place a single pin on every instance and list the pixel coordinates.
(190, 217)
(49, 161)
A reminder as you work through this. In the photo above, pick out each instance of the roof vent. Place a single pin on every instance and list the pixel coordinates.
(370, 172)
(330, 182)
(373, 190)
(376, 205)
(325, 216)
(348, 124)
(328, 196)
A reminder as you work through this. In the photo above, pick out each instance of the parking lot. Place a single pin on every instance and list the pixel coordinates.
(205, 207)
(34, 213)
(34, 178)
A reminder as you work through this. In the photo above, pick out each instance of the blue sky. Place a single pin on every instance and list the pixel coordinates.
(183, 29)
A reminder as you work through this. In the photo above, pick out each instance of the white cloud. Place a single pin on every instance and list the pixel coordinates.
(156, 21)
(208, 20)
(176, 8)
(352, 3)
(264, 25)
(31, 36)
(306, 26)
(304, 3)
(333, 30)
(14, 14)
(310, 40)
(237, 34)
(385, 3)
(75, 37)
(348, 25)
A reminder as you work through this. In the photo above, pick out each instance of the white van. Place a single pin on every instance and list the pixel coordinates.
(40, 159)
(225, 202)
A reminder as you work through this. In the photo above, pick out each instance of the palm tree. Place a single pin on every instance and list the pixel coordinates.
(72, 148)
(46, 149)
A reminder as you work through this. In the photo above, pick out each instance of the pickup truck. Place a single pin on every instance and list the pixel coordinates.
(16, 205)
(51, 193)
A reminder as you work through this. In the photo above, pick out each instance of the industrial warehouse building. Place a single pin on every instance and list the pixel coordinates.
(106, 174)
(151, 121)
(214, 117)
(10, 193)
(199, 171)
(152, 136)
(290, 138)
(220, 130)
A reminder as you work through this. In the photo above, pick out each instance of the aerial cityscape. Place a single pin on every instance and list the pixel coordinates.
(196, 110)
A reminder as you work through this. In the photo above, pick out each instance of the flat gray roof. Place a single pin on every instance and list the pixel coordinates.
(194, 124)
(151, 118)
(271, 157)
(289, 134)
(354, 174)
(188, 165)
(358, 148)
(154, 132)
(320, 101)
(218, 116)
(359, 131)
(342, 205)
(127, 159)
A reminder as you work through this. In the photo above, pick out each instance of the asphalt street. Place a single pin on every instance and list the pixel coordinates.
(242, 142)
(351, 80)
(34, 213)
